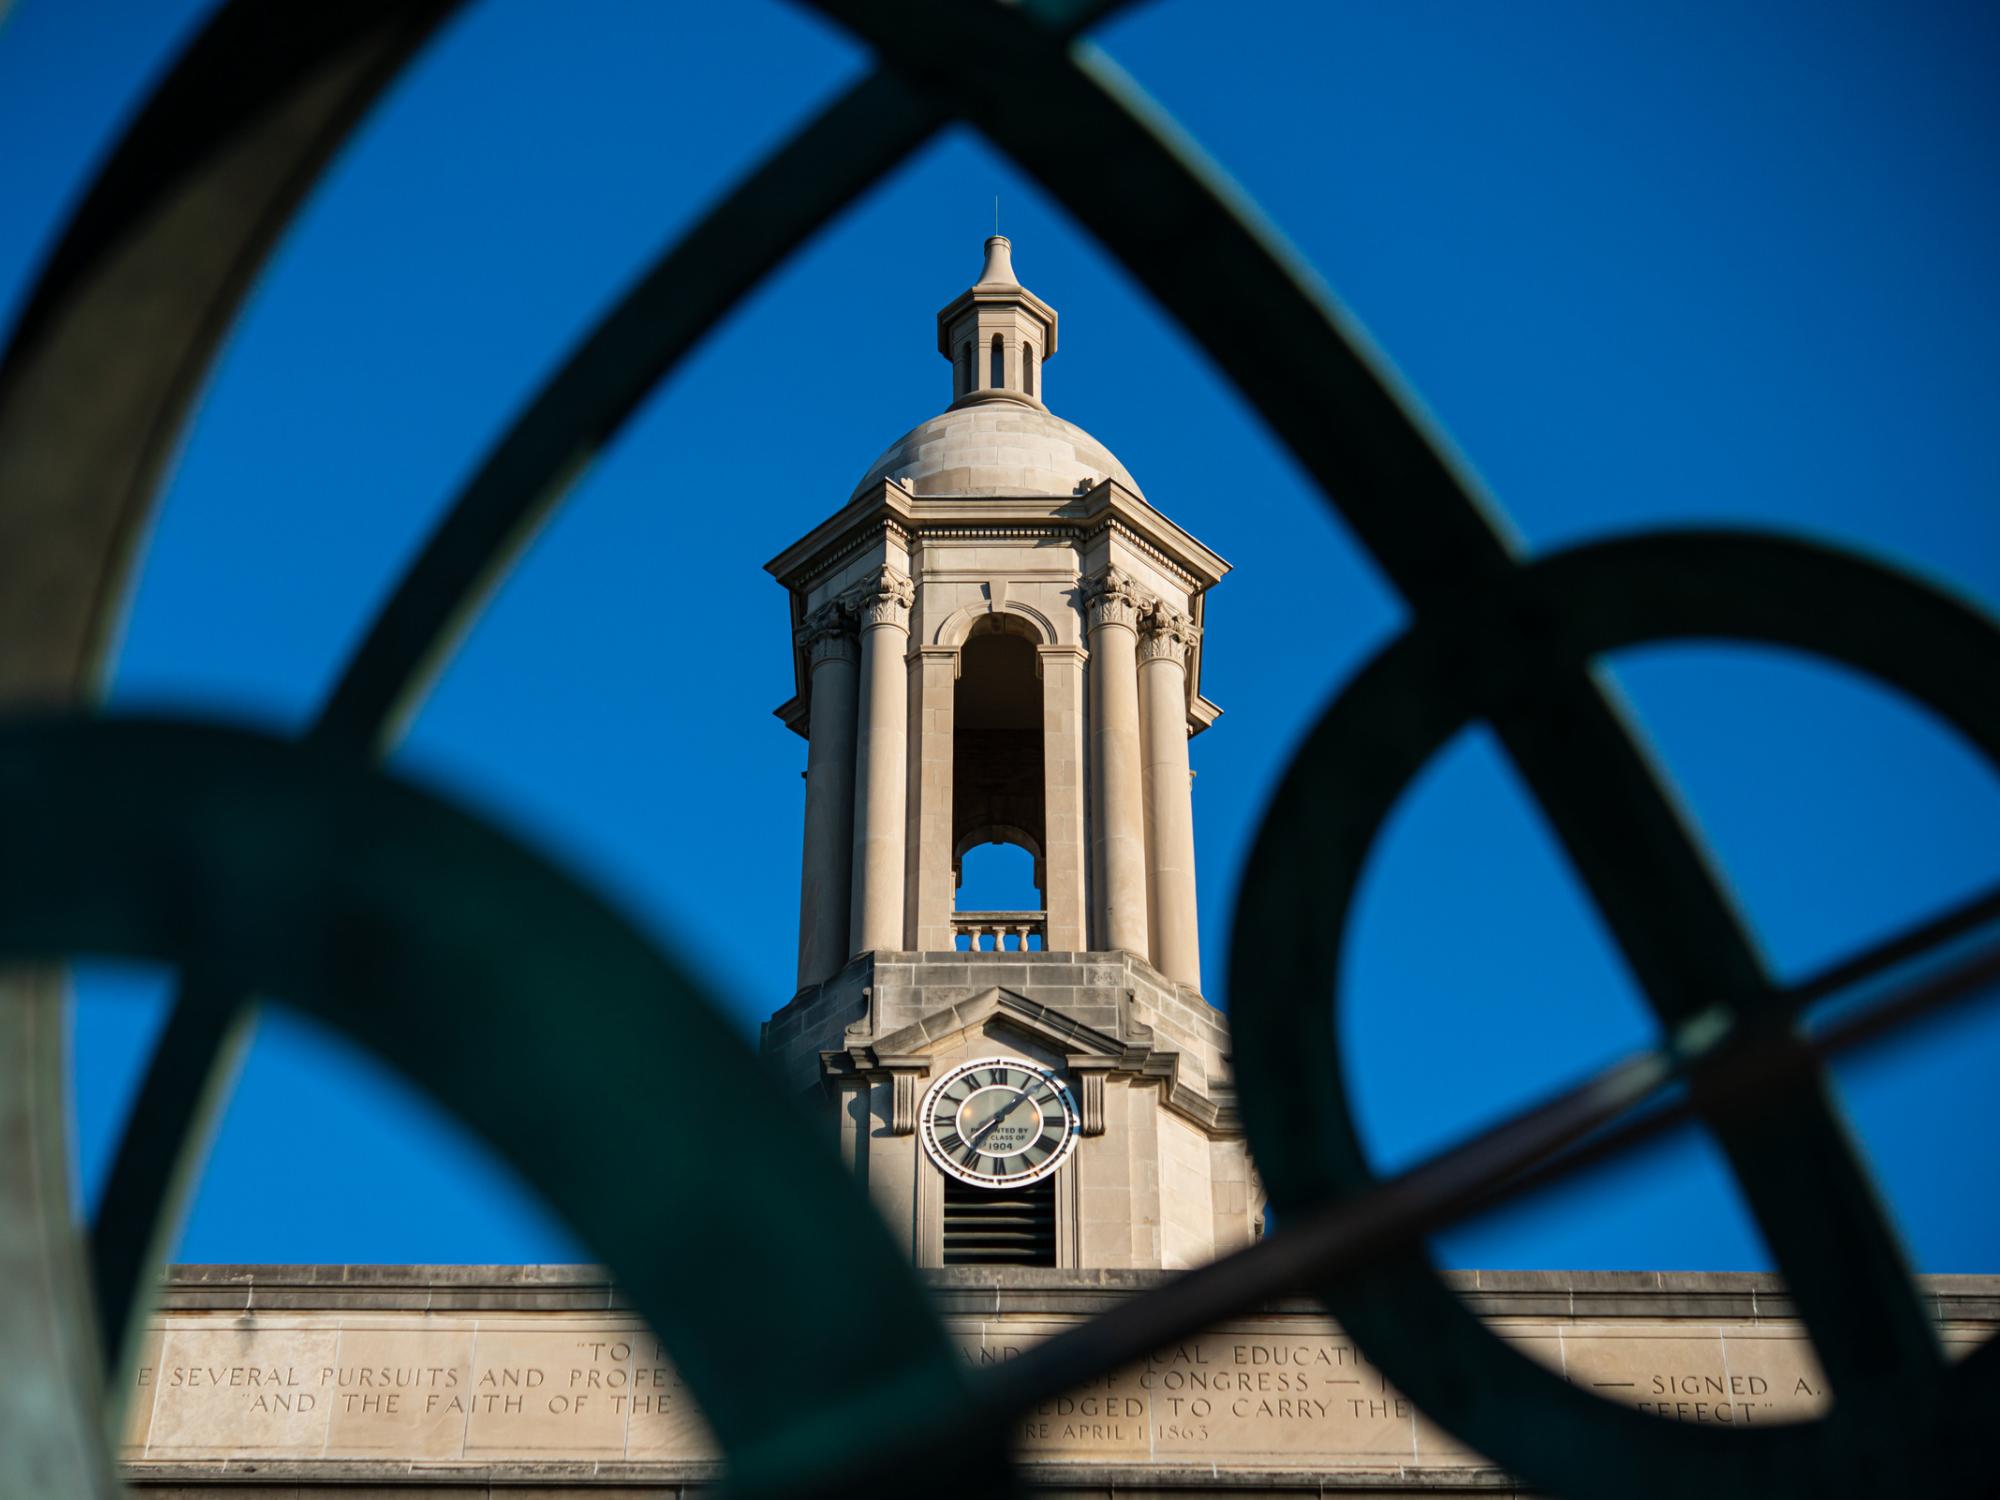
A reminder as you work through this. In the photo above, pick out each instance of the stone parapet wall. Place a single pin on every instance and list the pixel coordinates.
(261, 1381)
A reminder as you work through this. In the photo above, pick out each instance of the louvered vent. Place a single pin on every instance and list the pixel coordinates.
(1008, 1227)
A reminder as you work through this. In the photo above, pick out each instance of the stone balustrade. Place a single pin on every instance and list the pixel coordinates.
(1009, 930)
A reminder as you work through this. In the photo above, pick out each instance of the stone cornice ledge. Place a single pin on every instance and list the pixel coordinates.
(985, 1290)
(1133, 1053)
(389, 1477)
(448, 1476)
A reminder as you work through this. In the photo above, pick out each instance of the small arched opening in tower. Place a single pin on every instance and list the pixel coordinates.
(999, 371)
(997, 780)
(1027, 369)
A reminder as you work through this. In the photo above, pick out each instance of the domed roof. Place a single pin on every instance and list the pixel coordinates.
(996, 447)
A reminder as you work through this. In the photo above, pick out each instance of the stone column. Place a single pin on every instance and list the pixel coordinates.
(882, 607)
(1064, 855)
(1118, 835)
(828, 636)
(933, 684)
(1165, 636)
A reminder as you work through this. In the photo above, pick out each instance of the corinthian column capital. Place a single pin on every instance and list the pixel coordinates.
(828, 634)
(1111, 597)
(883, 598)
(1165, 633)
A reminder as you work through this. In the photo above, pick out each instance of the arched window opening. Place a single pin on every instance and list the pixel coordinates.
(998, 790)
(999, 379)
(965, 368)
(1028, 368)
(997, 879)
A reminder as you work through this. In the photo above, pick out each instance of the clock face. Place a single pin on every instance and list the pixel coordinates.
(999, 1122)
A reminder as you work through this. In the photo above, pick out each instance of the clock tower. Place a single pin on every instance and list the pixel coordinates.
(997, 639)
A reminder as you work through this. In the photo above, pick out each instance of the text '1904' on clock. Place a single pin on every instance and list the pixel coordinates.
(999, 1122)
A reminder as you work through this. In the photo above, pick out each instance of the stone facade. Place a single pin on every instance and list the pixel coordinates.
(473, 1375)
(1161, 1177)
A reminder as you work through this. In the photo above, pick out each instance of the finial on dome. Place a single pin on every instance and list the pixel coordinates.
(997, 334)
(999, 262)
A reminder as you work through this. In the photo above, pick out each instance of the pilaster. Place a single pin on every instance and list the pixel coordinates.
(934, 673)
(1064, 855)
(881, 604)
(1165, 638)
(1118, 838)
(827, 636)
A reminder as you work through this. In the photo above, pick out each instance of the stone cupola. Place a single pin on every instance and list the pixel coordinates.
(997, 639)
(997, 334)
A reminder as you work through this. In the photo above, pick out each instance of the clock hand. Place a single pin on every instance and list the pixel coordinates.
(1007, 1109)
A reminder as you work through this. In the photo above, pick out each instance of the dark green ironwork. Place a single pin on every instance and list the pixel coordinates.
(441, 946)
(1487, 657)
(260, 867)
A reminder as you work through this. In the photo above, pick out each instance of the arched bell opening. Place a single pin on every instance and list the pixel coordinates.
(999, 791)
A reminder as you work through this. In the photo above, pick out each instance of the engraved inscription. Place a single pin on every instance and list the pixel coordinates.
(1273, 1392)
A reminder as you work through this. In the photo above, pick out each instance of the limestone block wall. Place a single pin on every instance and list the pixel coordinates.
(400, 1382)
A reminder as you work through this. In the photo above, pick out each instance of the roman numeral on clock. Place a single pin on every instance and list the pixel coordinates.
(1023, 1127)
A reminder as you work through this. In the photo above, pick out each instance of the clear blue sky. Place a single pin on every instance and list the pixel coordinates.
(1647, 264)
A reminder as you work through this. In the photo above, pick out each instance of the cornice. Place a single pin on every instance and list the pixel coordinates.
(856, 525)
(915, 519)
(1137, 1054)
(891, 512)
(997, 296)
(560, 1289)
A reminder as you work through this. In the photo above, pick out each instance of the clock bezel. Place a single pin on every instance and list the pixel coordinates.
(927, 1124)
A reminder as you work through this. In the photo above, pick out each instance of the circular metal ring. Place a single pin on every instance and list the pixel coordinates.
(287, 869)
(1490, 651)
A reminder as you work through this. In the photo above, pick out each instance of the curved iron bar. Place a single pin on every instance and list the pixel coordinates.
(794, 192)
(1443, 674)
(193, 200)
(126, 314)
(798, 189)
(317, 878)
(1088, 135)
(101, 365)
(534, 463)
(1582, 1129)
